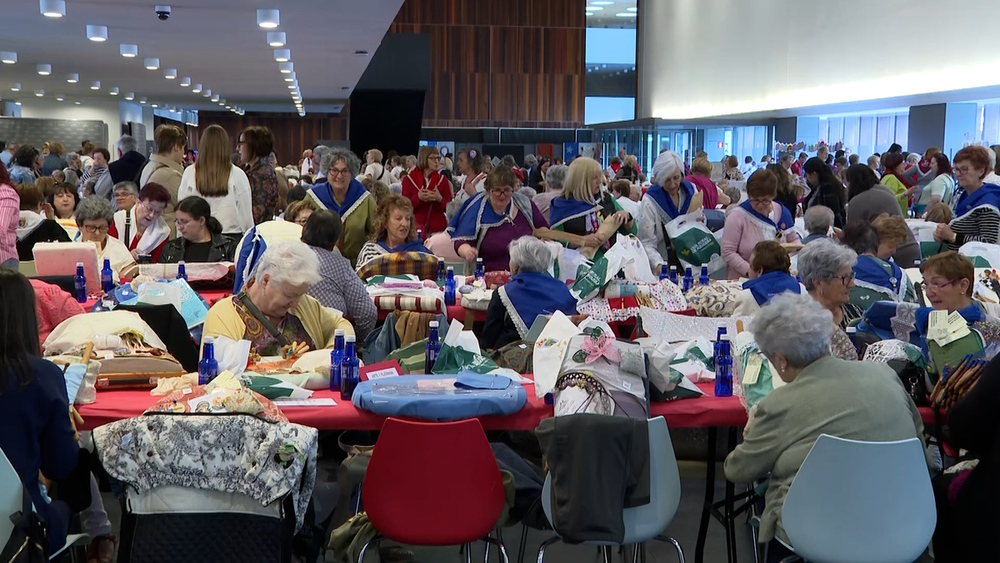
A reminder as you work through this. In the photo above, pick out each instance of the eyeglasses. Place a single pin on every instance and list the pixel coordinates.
(94, 230)
(502, 191)
(181, 223)
(434, 157)
(338, 172)
(240, 143)
(845, 279)
(122, 195)
(759, 201)
(936, 285)
(963, 169)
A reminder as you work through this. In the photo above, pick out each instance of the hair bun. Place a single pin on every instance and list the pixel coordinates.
(473, 153)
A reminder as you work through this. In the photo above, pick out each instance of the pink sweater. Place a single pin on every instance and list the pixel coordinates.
(742, 233)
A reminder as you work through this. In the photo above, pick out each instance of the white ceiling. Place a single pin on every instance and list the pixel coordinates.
(215, 42)
(603, 13)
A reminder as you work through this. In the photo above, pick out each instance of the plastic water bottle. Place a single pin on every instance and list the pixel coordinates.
(715, 345)
(208, 367)
(688, 279)
(441, 277)
(420, 235)
(724, 368)
(336, 356)
(433, 348)
(181, 272)
(107, 277)
(449, 287)
(349, 372)
(703, 279)
(673, 274)
(480, 271)
(664, 273)
(80, 284)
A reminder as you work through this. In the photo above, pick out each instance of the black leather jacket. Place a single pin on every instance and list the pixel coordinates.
(222, 250)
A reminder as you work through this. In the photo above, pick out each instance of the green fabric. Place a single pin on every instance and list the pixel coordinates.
(453, 359)
(590, 280)
(929, 248)
(375, 280)
(411, 358)
(952, 354)
(358, 229)
(899, 190)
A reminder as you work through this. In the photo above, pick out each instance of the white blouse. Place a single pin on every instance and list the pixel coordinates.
(234, 210)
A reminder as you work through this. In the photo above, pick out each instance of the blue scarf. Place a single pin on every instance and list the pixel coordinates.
(563, 209)
(872, 270)
(476, 213)
(662, 198)
(766, 286)
(784, 223)
(324, 194)
(410, 246)
(972, 314)
(987, 194)
(529, 294)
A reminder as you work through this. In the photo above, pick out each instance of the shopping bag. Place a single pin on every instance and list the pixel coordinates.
(694, 242)
(590, 280)
(634, 260)
(460, 352)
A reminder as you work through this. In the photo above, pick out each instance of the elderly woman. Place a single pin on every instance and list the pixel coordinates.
(487, 223)
(820, 396)
(732, 171)
(555, 179)
(346, 197)
(757, 219)
(395, 230)
(584, 207)
(377, 171)
(429, 192)
(33, 226)
(669, 198)
(976, 214)
(949, 279)
(126, 195)
(142, 228)
(199, 237)
(711, 195)
(826, 270)
(892, 178)
(299, 211)
(94, 218)
(875, 278)
(530, 292)
(274, 310)
(770, 275)
(826, 190)
(470, 166)
(869, 199)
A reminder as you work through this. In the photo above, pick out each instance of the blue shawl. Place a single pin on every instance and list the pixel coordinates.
(476, 216)
(529, 294)
(356, 193)
(562, 209)
(987, 194)
(662, 198)
(784, 222)
(766, 286)
(410, 246)
(870, 273)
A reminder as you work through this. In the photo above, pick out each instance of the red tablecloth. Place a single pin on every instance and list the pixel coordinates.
(210, 296)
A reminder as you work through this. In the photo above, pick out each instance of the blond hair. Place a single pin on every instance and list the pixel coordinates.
(581, 173)
(891, 228)
(214, 164)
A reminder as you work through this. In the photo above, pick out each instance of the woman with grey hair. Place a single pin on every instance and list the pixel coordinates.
(554, 179)
(667, 199)
(274, 311)
(94, 217)
(827, 272)
(348, 198)
(530, 292)
(822, 395)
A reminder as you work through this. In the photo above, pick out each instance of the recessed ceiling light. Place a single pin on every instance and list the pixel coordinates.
(268, 19)
(594, 8)
(142, 100)
(222, 101)
(207, 93)
(59, 97)
(16, 87)
(44, 70)
(17, 103)
(130, 96)
(52, 8)
(98, 33)
(8, 57)
(151, 64)
(155, 106)
(276, 38)
(215, 98)
(292, 86)
(285, 68)
(290, 77)
(113, 91)
(39, 92)
(282, 55)
(128, 51)
(95, 85)
(170, 74)
(229, 107)
(196, 89)
(631, 9)
(626, 14)
(77, 102)
(590, 14)
(72, 78)
(185, 82)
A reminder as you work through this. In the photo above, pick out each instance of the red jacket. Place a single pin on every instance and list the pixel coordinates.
(53, 306)
(429, 215)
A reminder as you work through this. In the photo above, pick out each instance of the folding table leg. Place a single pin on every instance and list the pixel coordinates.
(699, 551)
(730, 522)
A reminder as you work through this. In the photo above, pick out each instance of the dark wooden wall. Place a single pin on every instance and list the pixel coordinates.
(292, 134)
(501, 63)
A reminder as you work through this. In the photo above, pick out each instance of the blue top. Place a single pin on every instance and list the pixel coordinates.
(766, 286)
(660, 196)
(987, 194)
(324, 193)
(37, 436)
(411, 246)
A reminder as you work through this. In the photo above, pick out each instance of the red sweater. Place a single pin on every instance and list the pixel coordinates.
(429, 215)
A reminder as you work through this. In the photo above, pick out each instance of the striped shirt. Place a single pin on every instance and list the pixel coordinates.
(981, 224)
(10, 205)
(340, 288)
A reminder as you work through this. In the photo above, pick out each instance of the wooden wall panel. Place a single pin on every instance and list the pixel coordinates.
(503, 63)
(292, 134)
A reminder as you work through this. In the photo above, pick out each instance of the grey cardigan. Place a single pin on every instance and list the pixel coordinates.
(876, 201)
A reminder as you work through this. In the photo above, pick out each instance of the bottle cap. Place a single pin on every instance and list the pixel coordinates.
(724, 336)
(479, 259)
(451, 268)
(209, 340)
(851, 330)
(338, 332)
(350, 338)
(433, 324)
(180, 262)
(79, 264)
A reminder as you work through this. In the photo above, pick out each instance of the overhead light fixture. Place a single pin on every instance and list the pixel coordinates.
(196, 89)
(282, 55)
(361, 52)
(170, 74)
(185, 82)
(155, 106)
(626, 14)
(59, 97)
(44, 70)
(293, 86)
(128, 51)
(17, 103)
(229, 107)
(222, 101)
(594, 8)
(72, 78)
(214, 98)
(95, 85)
(285, 68)
(631, 9)
(16, 87)
(113, 91)
(290, 77)
(151, 64)
(97, 33)
(142, 100)
(76, 102)
(8, 57)
(52, 8)
(207, 93)
(130, 96)
(39, 92)
(268, 19)
(276, 38)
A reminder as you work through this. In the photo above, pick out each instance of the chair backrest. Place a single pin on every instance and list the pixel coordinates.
(11, 497)
(27, 269)
(645, 522)
(861, 502)
(433, 483)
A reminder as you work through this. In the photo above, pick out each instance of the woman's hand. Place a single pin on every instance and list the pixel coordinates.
(593, 240)
(621, 217)
(468, 252)
(470, 188)
(943, 233)
(912, 190)
(424, 195)
(48, 211)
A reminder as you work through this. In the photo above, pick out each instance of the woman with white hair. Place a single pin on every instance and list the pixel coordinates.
(821, 395)
(555, 177)
(348, 198)
(274, 310)
(669, 198)
(827, 272)
(530, 292)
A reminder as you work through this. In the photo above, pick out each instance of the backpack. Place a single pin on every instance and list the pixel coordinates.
(29, 538)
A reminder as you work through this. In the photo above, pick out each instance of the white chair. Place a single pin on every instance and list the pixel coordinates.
(860, 502)
(646, 522)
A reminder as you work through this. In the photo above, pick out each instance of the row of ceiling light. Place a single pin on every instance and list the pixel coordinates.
(270, 19)
(598, 5)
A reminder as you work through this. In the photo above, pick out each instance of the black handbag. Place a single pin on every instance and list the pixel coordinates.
(914, 380)
(29, 539)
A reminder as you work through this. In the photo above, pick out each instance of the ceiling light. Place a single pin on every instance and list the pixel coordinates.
(282, 55)
(292, 86)
(222, 101)
(290, 77)
(151, 64)
(8, 57)
(276, 38)
(130, 96)
(142, 100)
(72, 78)
(113, 91)
(95, 85)
(16, 87)
(77, 102)
(155, 106)
(215, 98)
(196, 89)
(59, 97)
(207, 93)
(185, 82)
(268, 19)
(170, 74)
(229, 107)
(594, 8)
(361, 52)
(44, 70)
(631, 9)
(98, 33)
(590, 14)
(17, 103)
(39, 93)
(285, 68)
(52, 8)
(128, 51)
(626, 14)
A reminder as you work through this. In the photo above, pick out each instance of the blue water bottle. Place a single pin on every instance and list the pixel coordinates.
(724, 368)
(420, 235)
(107, 277)
(688, 279)
(80, 284)
(336, 356)
(208, 367)
(349, 371)
(449, 287)
(664, 272)
(673, 274)
(181, 271)
(715, 345)
(703, 279)
(433, 348)
(441, 277)
(480, 271)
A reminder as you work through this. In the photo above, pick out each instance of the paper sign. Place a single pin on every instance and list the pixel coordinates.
(752, 369)
(388, 368)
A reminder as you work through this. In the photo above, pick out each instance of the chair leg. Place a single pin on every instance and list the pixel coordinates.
(677, 547)
(546, 543)
(468, 553)
(500, 546)
(606, 552)
(364, 548)
(524, 543)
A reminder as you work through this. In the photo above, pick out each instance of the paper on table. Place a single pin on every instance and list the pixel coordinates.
(550, 348)
(314, 402)
(382, 373)
(231, 354)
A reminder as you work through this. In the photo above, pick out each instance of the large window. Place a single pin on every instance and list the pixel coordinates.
(864, 134)
(610, 60)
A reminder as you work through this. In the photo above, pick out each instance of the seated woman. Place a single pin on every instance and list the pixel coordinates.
(821, 397)
(530, 292)
(770, 275)
(976, 215)
(346, 197)
(273, 309)
(757, 219)
(33, 226)
(93, 218)
(199, 235)
(126, 195)
(488, 222)
(339, 287)
(826, 270)
(299, 211)
(669, 198)
(584, 207)
(875, 278)
(949, 279)
(395, 230)
(142, 229)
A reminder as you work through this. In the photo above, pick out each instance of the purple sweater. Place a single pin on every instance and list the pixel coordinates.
(493, 249)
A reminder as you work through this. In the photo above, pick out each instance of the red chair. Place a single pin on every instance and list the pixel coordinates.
(433, 484)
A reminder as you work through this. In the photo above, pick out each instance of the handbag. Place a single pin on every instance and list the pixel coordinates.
(29, 538)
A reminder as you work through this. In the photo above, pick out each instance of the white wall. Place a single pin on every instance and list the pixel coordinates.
(701, 58)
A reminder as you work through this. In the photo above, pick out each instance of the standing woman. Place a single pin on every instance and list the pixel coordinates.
(22, 169)
(788, 191)
(826, 190)
(375, 170)
(222, 184)
(669, 198)
(470, 166)
(940, 188)
(894, 164)
(584, 206)
(428, 191)
(255, 146)
(733, 169)
(976, 214)
(64, 200)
